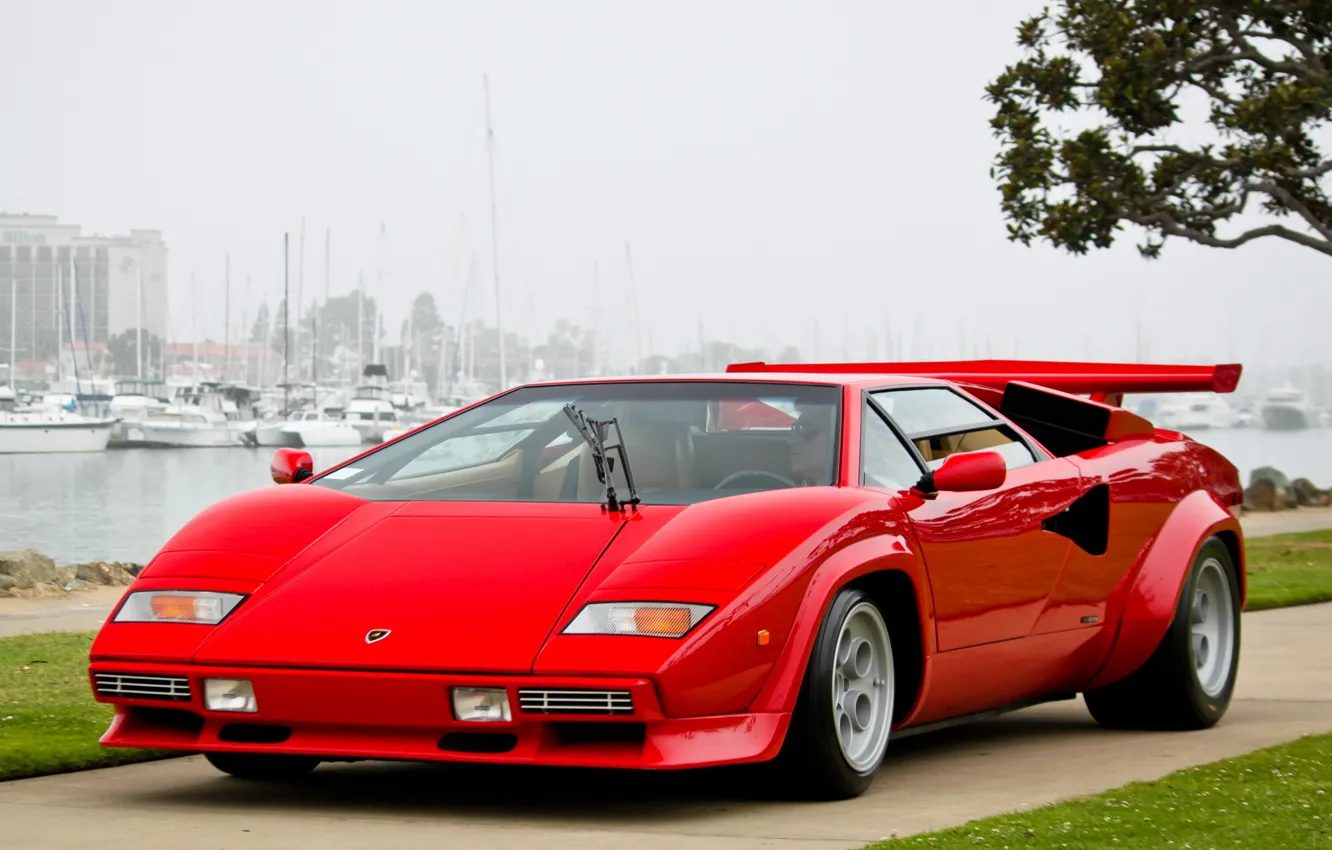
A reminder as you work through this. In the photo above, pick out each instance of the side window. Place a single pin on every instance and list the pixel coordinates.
(884, 460)
(940, 422)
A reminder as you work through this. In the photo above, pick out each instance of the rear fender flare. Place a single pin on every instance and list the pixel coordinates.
(886, 552)
(1153, 596)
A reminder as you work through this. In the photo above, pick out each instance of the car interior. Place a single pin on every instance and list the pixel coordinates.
(674, 460)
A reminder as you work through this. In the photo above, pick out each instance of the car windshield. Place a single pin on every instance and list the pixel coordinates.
(687, 441)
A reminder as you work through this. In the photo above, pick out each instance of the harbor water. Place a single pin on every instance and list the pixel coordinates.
(124, 504)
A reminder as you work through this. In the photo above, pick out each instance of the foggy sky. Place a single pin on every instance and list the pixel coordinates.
(774, 165)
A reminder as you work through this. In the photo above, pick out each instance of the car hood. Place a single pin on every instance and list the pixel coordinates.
(456, 587)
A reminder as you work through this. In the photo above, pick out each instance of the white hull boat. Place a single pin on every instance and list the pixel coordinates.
(1197, 412)
(308, 429)
(417, 418)
(33, 433)
(1285, 409)
(318, 433)
(274, 435)
(187, 426)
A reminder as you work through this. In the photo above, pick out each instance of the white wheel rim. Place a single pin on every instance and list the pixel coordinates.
(862, 687)
(1211, 627)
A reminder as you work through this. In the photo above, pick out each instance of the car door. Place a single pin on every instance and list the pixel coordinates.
(990, 561)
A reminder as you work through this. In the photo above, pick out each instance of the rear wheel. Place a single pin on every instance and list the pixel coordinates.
(1188, 681)
(263, 766)
(840, 727)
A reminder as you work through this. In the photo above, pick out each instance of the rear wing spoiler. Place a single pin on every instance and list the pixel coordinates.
(1106, 382)
(1046, 397)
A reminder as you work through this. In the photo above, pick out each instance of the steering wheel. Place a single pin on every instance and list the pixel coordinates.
(748, 473)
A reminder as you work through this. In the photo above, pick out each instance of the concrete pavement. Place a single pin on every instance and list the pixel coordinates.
(1021, 761)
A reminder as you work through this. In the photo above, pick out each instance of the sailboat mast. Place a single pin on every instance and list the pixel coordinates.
(360, 322)
(138, 320)
(226, 322)
(266, 341)
(286, 322)
(245, 315)
(494, 240)
(194, 322)
(59, 304)
(314, 322)
(300, 282)
(13, 325)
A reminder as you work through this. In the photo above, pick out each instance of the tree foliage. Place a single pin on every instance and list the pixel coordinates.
(1262, 71)
(124, 348)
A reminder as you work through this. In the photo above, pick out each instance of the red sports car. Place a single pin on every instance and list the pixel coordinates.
(778, 563)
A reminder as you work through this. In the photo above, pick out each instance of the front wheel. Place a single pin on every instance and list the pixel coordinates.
(263, 767)
(1188, 681)
(840, 727)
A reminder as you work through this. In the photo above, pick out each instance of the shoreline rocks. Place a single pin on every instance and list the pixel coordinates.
(27, 573)
(1270, 490)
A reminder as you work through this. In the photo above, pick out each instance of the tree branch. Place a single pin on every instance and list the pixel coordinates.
(1167, 225)
(1292, 203)
(1304, 47)
(1308, 173)
(1184, 152)
(1262, 60)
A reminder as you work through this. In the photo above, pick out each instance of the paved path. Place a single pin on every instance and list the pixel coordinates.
(1021, 761)
(87, 610)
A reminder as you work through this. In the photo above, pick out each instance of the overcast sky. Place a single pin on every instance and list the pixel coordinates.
(775, 165)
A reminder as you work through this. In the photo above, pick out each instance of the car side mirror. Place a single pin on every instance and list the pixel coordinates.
(291, 466)
(966, 472)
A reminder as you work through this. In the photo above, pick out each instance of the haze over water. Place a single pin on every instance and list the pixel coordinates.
(123, 505)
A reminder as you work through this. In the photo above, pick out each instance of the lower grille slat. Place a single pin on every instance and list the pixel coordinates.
(138, 686)
(552, 701)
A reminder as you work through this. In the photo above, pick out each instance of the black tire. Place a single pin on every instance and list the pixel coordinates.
(811, 764)
(263, 767)
(1165, 692)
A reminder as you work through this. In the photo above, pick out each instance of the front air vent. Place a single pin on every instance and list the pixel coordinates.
(543, 701)
(136, 686)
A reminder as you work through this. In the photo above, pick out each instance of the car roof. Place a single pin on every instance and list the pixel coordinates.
(859, 380)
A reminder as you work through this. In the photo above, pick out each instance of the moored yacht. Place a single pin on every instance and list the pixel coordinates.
(315, 428)
(1285, 409)
(26, 430)
(416, 418)
(371, 412)
(1196, 412)
(131, 403)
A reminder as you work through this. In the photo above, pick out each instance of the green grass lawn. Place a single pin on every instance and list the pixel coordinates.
(1289, 569)
(49, 722)
(1278, 798)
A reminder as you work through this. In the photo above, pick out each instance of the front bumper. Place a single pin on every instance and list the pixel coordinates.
(340, 714)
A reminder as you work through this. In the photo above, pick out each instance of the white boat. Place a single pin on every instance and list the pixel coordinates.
(29, 430)
(409, 394)
(1285, 409)
(270, 433)
(132, 402)
(315, 428)
(187, 426)
(416, 419)
(371, 412)
(1197, 412)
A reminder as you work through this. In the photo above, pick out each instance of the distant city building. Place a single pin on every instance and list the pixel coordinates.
(67, 285)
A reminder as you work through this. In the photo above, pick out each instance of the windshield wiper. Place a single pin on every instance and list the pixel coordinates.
(593, 432)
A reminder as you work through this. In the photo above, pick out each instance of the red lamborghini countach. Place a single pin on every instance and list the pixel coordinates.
(789, 564)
